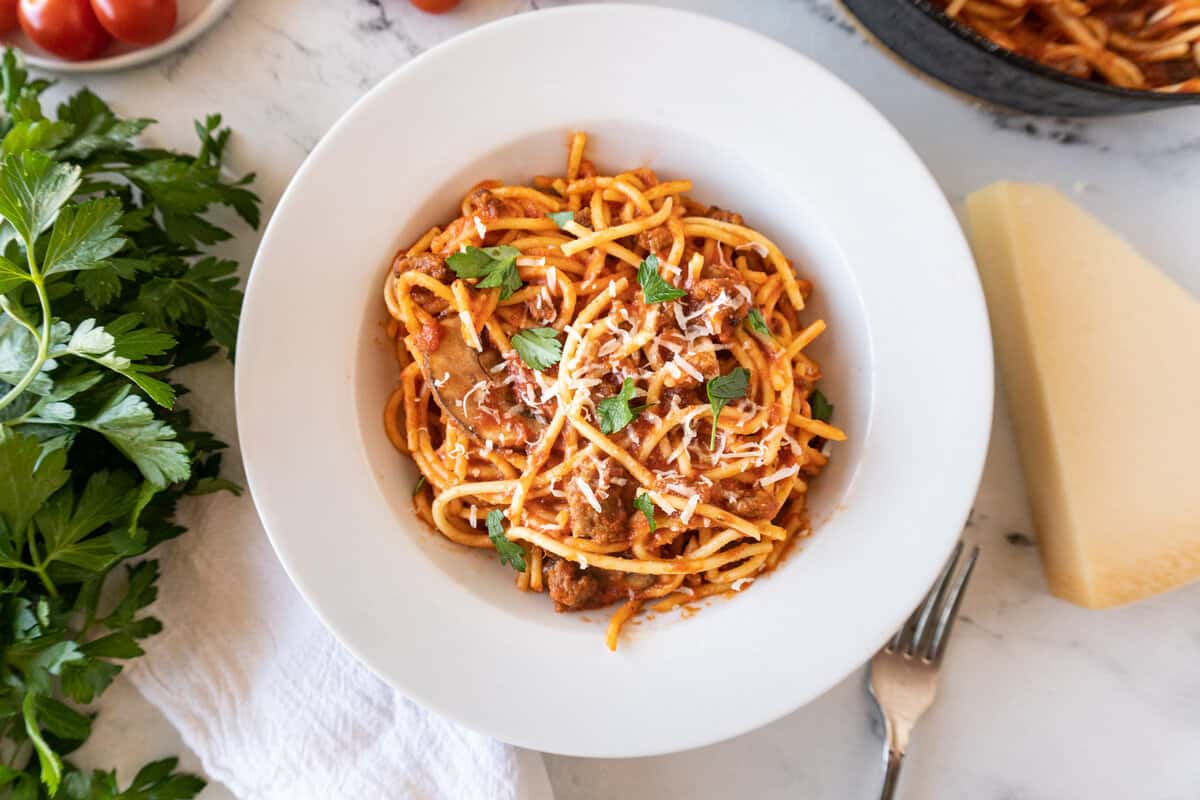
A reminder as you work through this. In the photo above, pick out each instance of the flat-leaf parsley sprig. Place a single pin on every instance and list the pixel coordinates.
(104, 291)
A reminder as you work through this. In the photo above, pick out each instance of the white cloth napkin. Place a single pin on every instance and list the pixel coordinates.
(273, 706)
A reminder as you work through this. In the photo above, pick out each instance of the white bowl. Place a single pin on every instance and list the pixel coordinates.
(759, 129)
(195, 17)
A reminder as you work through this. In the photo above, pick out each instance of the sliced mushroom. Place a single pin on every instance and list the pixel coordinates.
(455, 371)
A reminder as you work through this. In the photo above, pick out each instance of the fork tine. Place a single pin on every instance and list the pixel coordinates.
(941, 634)
(917, 623)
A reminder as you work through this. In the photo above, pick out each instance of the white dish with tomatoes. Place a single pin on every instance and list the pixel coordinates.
(102, 35)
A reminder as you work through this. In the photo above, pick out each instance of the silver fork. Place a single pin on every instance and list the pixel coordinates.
(904, 673)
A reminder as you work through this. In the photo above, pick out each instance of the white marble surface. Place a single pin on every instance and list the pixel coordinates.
(1041, 700)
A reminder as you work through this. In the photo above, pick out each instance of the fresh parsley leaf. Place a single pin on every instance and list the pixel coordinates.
(205, 294)
(497, 266)
(33, 188)
(615, 412)
(62, 522)
(64, 722)
(722, 389)
(420, 485)
(35, 134)
(655, 289)
(561, 218)
(130, 426)
(140, 591)
(84, 236)
(11, 276)
(643, 504)
(95, 128)
(18, 351)
(83, 680)
(539, 348)
(27, 480)
(756, 323)
(511, 552)
(155, 781)
(98, 345)
(507, 279)
(822, 409)
(49, 761)
(476, 262)
(16, 85)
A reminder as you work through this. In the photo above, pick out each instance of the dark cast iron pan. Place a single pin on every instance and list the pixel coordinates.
(956, 55)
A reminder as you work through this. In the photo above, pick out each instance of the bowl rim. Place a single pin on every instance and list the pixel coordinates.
(295, 508)
(981, 42)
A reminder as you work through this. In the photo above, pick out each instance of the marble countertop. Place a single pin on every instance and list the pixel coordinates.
(1040, 700)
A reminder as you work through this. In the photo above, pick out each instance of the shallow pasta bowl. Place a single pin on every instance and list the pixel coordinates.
(906, 358)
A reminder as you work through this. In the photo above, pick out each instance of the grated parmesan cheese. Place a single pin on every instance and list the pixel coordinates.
(685, 516)
(669, 510)
(480, 228)
(686, 366)
(583, 562)
(442, 381)
(588, 495)
(474, 515)
(477, 387)
(779, 475)
(741, 583)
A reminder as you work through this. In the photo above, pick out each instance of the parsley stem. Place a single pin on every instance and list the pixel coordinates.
(49, 584)
(43, 352)
(39, 566)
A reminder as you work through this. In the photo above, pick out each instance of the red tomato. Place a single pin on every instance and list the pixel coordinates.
(67, 28)
(137, 21)
(435, 6)
(8, 16)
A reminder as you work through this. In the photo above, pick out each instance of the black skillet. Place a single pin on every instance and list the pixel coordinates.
(955, 54)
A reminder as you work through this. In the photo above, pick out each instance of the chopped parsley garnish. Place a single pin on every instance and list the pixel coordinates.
(822, 409)
(497, 266)
(642, 503)
(756, 323)
(420, 485)
(561, 218)
(539, 348)
(654, 288)
(615, 412)
(721, 390)
(510, 552)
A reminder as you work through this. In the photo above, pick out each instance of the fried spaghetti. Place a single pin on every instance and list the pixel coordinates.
(563, 349)
(1132, 44)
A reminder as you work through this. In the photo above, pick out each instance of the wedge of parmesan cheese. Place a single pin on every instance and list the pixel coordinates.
(1099, 354)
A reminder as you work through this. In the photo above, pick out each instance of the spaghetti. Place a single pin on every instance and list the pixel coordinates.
(608, 383)
(1132, 44)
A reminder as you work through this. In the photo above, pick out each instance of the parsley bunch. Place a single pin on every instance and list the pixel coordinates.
(104, 291)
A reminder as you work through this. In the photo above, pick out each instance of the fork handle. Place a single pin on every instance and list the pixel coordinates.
(891, 776)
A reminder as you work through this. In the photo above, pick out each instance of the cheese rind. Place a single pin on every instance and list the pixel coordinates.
(1099, 354)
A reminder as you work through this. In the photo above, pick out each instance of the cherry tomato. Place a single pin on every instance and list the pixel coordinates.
(67, 28)
(8, 16)
(137, 21)
(435, 6)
